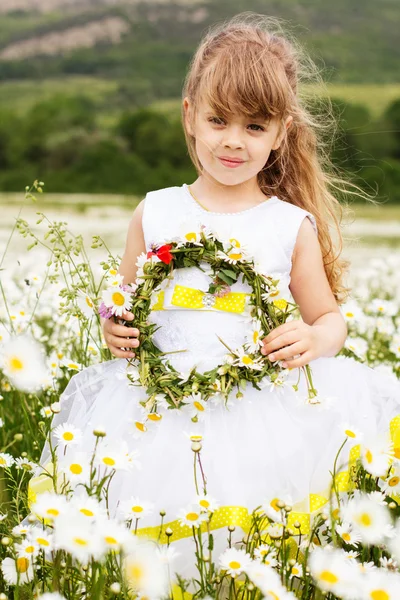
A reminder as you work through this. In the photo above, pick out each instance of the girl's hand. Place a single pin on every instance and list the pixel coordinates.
(291, 339)
(116, 337)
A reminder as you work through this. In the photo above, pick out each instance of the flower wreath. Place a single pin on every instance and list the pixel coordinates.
(227, 261)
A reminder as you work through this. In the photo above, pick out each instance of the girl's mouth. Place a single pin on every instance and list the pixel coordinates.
(231, 163)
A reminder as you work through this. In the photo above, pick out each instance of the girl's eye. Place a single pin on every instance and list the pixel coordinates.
(214, 119)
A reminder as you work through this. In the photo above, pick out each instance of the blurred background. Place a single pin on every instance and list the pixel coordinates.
(90, 101)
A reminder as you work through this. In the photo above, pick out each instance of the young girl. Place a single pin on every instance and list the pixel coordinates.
(263, 182)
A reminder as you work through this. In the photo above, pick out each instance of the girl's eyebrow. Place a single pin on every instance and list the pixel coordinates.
(251, 118)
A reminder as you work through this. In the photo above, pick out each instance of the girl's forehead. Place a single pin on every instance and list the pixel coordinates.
(206, 108)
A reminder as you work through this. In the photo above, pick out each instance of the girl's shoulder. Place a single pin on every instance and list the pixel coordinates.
(292, 214)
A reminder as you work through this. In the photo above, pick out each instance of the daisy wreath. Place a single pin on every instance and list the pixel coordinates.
(227, 262)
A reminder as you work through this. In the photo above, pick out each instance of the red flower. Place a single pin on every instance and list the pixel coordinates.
(163, 253)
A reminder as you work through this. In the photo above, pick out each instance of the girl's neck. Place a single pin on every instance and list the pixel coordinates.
(218, 197)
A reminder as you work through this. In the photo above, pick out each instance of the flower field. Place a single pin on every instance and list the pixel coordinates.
(59, 544)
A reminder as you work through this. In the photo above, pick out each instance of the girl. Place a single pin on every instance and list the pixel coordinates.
(262, 181)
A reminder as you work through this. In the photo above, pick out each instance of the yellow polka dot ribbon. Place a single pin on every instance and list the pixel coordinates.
(187, 297)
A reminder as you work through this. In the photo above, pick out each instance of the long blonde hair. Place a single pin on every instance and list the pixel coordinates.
(248, 65)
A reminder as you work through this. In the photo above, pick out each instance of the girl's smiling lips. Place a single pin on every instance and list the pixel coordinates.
(228, 161)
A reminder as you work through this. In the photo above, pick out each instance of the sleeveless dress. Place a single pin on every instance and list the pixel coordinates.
(268, 444)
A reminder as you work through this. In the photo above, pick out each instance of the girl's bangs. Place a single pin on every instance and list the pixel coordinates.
(230, 87)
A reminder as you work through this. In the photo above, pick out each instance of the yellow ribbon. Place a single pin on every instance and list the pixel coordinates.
(187, 297)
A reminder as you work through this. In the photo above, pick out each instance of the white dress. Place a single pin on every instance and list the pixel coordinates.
(269, 443)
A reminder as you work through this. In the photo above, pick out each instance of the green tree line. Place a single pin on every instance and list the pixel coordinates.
(60, 142)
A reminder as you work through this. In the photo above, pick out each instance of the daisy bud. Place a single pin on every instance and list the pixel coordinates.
(3, 596)
(168, 532)
(99, 432)
(392, 505)
(162, 513)
(32, 519)
(324, 517)
(256, 536)
(291, 562)
(289, 532)
(206, 559)
(297, 524)
(280, 504)
(18, 437)
(287, 509)
(5, 541)
(55, 407)
(250, 586)
(196, 446)
(63, 564)
(231, 528)
(239, 395)
(115, 587)
(217, 580)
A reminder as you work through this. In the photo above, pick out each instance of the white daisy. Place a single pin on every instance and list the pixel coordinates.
(50, 506)
(22, 361)
(296, 570)
(41, 538)
(117, 299)
(75, 466)
(144, 571)
(113, 534)
(380, 584)
(348, 535)
(51, 596)
(72, 365)
(244, 359)
(266, 554)
(19, 570)
(78, 537)
(357, 345)
(85, 303)
(27, 548)
(68, 434)
(272, 510)
(353, 434)
(391, 485)
(195, 406)
(192, 516)
(368, 519)
(254, 338)
(114, 456)
(134, 508)
(268, 581)
(332, 572)
(206, 503)
(88, 506)
(234, 561)
(6, 460)
(377, 455)
(22, 463)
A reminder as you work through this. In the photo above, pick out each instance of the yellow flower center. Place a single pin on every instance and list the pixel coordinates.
(368, 456)
(256, 335)
(198, 405)
(234, 564)
(281, 303)
(393, 481)
(295, 571)
(191, 237)
(365, 520)
(349, 314)
(89, 302)
(379, 595)
(80, 541)
(22, 564)
(350, 433)
(328, 576)
(2, 461)
(247, 360)
(16, 364)
(73, 366)
(346, 536)
(118, 299)
(76, 469)
(140, 426)
(137, 509)
(192, 516)
(87, 512)
(53, 512)
(68, 436)
(274, 504)
(204, 503)
(335, 513)
(42, 541)
(107, 460)
(30, 549)
(110, 540)
(196, 438)
(235, 242)
(135, 574)
(273, 595)
(154, 417)
(235, 255)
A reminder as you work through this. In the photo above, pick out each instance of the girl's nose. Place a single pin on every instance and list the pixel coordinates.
(232, 137)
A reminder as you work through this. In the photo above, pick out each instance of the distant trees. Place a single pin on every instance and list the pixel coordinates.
(62, 142)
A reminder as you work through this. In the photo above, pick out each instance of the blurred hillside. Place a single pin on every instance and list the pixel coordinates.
(150, 43)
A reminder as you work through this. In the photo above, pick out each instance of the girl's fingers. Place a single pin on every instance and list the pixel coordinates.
(118, 342)
(283, 340)
(288, 352)
(121, 353)
(301, 361)
(121, 330)
(127, 316)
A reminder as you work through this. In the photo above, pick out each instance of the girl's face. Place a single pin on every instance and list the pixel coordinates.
(248, 141)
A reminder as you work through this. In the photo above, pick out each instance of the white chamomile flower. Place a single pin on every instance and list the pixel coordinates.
(352, 312)
(245, 359)
(24, 464)
(41, 538)
(272, 510)
(348, 535)
(134, 508)
(296, 570)
(383, 307)
(117, 299)
(115, 280)
(87, 506)
(51, 596)
(206, 503)
(357, 345)
(377, 455)
(234, 251)
(266, 554)
(194, 436)
(50, 506)
(72, 365)
(189, 232)
(234, 561)
(353, 434)
(67, 434)
(380, 584)
(145, 571)
(46, 412)
(75, 466)
(6, 460)
(113, 534)
(388, 563)
(27, 548)
(392, 484)
(22, 361)
(254, 338)
(115, 456)
(195, 406)
(78, 537)
(331, 571)
(367, 519)
(17, 570)
(85, 303)
(268, 581)
(21, 530)
(192, 516)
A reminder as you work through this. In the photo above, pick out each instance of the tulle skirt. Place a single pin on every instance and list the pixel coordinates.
(268, 444)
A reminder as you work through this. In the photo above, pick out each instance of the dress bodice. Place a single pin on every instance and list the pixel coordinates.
(267, 231)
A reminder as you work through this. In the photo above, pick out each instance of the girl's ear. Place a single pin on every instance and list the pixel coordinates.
(280, 137)
(187, 111)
